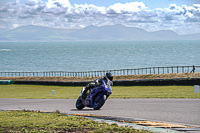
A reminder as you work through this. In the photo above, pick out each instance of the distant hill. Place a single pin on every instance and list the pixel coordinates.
(36, 33)
(165, 35)
(112, 33)
(90, 33)
(192, 36)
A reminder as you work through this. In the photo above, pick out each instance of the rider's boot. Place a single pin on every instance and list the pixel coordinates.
(84, 95)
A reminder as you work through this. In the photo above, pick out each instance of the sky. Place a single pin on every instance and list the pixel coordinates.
(180, 16)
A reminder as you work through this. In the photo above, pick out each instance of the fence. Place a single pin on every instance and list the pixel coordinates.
(148, 70)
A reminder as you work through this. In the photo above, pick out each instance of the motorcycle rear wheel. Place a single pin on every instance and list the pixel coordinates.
(99, 103)
(79, 104)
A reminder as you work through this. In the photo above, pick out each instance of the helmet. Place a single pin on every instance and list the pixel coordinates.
(109, 76)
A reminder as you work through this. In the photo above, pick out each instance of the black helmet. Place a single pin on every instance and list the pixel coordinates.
(109, 76)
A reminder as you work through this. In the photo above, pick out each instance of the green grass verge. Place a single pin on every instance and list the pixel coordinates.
(38, 92)
(22, 121)
(66, 92)
(155, 92)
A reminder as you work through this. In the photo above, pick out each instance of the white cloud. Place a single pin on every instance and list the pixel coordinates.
(196, 5)
(127, 7)
(58, 3)
(89, 9)
(15, 25)
(61, 14)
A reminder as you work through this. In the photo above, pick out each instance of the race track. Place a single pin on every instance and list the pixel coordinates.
(185, 111)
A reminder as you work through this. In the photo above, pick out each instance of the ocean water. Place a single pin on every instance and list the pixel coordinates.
(96, 56)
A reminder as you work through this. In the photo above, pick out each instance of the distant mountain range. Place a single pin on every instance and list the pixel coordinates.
(90, 33)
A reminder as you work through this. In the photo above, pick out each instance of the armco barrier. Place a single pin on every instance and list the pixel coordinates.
(6, 82)
(141, 82)
(59, 83)
(158, 82)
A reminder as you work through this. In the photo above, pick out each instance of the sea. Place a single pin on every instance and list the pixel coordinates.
(96, 56)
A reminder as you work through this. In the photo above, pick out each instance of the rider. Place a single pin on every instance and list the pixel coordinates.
(97, 82)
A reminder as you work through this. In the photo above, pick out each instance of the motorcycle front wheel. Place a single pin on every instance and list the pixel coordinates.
(79, 104)
(99, 103)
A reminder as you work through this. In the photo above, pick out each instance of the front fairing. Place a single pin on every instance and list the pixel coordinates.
(107, 87)
(109, 90)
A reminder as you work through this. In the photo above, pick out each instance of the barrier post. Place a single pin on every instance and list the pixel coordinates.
(196, 88)
(53, 92)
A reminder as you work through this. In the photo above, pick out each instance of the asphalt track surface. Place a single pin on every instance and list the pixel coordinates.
(181, 111)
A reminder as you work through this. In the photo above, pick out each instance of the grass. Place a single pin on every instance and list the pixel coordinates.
(23, 121)
(38, 92)
(66, 92)
(155, 92)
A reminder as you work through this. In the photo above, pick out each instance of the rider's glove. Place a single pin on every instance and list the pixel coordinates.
(97, 82)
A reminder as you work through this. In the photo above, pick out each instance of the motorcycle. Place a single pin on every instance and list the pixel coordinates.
(96, 96)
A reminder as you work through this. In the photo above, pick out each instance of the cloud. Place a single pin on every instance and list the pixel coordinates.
(127, 7)
(58, 3)
(61, 14)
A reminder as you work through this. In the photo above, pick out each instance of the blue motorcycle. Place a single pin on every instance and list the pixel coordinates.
(96, 96)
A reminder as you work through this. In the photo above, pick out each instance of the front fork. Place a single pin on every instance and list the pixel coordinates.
(82, 90)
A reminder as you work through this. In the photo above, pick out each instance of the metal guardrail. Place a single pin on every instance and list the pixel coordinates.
(148, 70)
